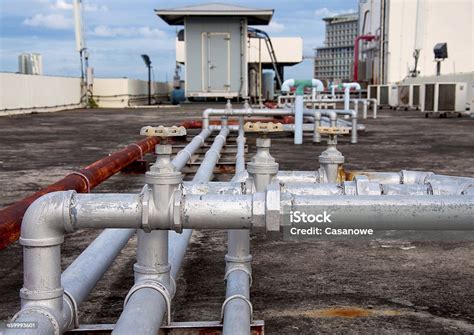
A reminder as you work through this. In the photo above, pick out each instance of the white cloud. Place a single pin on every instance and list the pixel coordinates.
(95, 8)
(61, 4)
(325, 12)
(147, 32)
(274, 27)
(88, 7)
(52, 21)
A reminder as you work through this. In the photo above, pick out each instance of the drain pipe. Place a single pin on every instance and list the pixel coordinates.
(133, 316)
(299, 103)
(236, 309)
(347, 93)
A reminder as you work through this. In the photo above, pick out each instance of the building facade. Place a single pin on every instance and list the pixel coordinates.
(333, 62)
(403, 29)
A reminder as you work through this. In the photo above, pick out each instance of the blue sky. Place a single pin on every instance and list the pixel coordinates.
(118, 31)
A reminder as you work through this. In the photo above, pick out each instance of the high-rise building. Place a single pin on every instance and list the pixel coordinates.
(333, 62)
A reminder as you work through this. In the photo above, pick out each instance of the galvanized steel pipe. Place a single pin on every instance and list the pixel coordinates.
(388, 212)
(146, 307)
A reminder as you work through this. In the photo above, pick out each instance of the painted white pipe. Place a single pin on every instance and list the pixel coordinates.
(347, 92)
(299, 103)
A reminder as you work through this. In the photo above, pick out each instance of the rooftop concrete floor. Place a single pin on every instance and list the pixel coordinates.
(374, 286)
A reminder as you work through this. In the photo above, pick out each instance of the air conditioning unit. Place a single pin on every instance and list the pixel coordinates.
(372, 92)
(403, 96)
(386, 95)
(415, 96)
(408, 96)
(444, 98)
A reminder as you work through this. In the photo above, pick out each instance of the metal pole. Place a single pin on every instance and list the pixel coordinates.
(149, 85)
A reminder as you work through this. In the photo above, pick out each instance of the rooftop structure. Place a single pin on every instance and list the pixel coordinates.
(219, 49)
(176, 16)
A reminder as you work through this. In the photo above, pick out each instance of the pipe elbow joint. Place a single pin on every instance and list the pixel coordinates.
(287, 84)
(47, 219)
(206, 112)
(352, 85)
(318, 84)
(332, 115)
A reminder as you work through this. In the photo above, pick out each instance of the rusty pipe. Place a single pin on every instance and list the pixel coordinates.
(81, 181)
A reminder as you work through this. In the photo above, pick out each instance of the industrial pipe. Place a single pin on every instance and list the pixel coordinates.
(79, 279)
(299, 105)
(387, 212)
(237, 312)
(148, 321)
(82, 181)
(88, 268)
(356, 53)
(347, 92)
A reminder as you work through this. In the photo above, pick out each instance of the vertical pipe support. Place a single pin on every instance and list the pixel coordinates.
(299, 102)
(317, 124)
(152, 269)
(364, 108)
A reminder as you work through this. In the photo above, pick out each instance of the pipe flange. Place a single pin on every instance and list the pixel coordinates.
(171, 178)
(239, 267)
(177, 223)
(265, 168)
(157, 286)
(69, 298)
(41, 295)
(236, 296)
(239, 260)
(44, 242)
(42, 311)
(145, 270)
